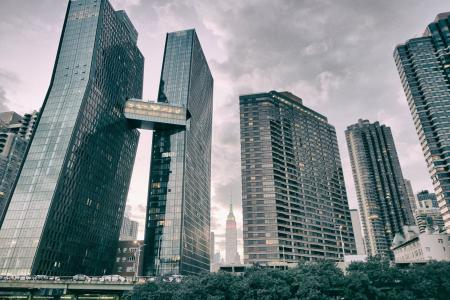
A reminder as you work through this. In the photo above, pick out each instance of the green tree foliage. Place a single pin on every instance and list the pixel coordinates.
(375, 279)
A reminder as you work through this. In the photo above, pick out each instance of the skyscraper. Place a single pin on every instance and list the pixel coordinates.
(15, 134)
(427, 199)
(411, 196)
(177, 227)
(380, 186)
(359, 239)
(212, 242)
(424, 67)
(428, 216)
(231, 253)
(129, 229)
(65, 213)
(293, 192)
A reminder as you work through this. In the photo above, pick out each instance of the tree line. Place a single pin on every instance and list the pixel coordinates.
(375, 279)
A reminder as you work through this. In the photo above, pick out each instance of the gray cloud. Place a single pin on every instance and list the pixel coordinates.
(7, 79)
(3, 100)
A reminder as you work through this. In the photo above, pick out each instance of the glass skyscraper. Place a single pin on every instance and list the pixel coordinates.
(424, 67)
(293, 193)
(66, 210)
(380, 187)
(177, 228)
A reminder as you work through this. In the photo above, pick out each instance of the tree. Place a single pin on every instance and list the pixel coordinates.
(375, 279)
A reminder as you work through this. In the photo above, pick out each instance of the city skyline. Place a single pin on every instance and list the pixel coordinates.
(322, 87)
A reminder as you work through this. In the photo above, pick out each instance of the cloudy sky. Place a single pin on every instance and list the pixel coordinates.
(335, 54)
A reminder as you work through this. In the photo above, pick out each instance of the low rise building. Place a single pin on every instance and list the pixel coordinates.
(129, 258)
(416, 247)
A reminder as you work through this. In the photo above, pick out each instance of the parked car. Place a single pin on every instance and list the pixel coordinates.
(80, 277)
(114, 278)
(41, 277)
(54, 278)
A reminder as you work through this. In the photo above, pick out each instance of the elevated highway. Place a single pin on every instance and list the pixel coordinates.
(64, 289)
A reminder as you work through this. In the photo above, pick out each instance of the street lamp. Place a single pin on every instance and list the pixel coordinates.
(340, 227)
(137, 255)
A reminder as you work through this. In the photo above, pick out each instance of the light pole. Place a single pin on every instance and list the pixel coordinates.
(342, 240)
(137, 255)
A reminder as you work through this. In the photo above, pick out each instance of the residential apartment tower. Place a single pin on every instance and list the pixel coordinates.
(293, 193)
(424, 67)
(380, 187)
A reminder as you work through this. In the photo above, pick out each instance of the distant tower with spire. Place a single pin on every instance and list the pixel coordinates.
(231, 254)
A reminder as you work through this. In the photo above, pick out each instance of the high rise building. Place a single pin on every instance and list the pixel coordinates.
(65, 213)
(429, 219)
(293, 192)
(428, 216)
(212, 242)
(380, 186)
(231, 253)
(177, 230)
(129, 229)
(424, 67)
(28, 124)
(10, 120)
(411, 197)
(15, 134)
(357, 231)
(427, 199)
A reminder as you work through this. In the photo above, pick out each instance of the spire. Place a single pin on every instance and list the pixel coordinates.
(230, 214)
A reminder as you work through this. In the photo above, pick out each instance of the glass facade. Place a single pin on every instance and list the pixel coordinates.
(380, 187)
(293, 192)
(66, 210)
(424, 67)
(178, 212)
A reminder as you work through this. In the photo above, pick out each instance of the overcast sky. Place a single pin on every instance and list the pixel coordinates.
(336, 55)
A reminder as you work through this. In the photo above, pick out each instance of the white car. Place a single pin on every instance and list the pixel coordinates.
(113, 278)
(80, 277)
